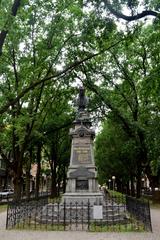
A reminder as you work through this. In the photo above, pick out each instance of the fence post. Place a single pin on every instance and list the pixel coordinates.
(88, 214)
(76, 217)
(64, 222)
(82, 214)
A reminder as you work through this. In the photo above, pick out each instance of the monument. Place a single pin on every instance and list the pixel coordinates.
(82, 203)
(82, 175)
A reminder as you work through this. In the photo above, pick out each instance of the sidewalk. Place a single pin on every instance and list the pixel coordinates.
(51, 235)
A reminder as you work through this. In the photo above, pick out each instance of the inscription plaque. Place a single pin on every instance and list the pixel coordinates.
(81, 184)
(97, 212)
(82, 155)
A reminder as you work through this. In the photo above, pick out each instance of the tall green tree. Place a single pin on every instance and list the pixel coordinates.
(125, 90)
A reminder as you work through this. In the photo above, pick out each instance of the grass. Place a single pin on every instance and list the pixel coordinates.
(54, 200)
(39, 227)
(155, 205)
(3, 208)
(94, 227)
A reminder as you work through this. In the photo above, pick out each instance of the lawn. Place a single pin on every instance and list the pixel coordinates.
(3, 208)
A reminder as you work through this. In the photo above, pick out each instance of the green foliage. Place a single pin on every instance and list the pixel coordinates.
(115, 153)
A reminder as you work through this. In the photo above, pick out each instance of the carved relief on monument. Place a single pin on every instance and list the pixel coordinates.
(82, 185)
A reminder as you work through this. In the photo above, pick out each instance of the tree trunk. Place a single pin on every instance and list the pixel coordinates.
(138, 184)
(132, 186)
(53, 182)
(119, 185)
(17, 188)
(39, 147)
(18, 172)
(64, 179)
(28, 175)
(27, 185)
(128, 189)
(18, 183)
(141, 160)
(53, 172)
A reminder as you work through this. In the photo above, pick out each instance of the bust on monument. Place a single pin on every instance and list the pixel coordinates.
(82, 100)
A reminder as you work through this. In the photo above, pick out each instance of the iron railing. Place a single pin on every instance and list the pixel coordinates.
(114, 214)
(139, 209)
(9, 198)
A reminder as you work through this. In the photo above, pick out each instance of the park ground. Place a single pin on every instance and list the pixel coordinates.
(80, 235)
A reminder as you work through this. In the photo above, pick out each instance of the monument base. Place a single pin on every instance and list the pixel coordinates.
(94, 198)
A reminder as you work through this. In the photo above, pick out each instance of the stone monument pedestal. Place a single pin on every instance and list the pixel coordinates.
(82, 183)
(83, 197)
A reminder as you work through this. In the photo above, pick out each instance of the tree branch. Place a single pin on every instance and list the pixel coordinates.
(131, 18)
(126, 124)
(4, 33)
(56, 75)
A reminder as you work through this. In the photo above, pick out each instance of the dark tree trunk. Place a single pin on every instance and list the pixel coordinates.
(127, 188)
(119, 185)
(64, 179)
(132, 186)
(141, 160)
(18, 173)
(28, 175)
(53, 172)
(27, 184)
(18, 182)
(53, 182)
(138, 184)
(58, 187)
(39, 147)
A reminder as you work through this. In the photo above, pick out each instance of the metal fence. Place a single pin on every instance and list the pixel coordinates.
(115, 214)
(9, 198)
(139, 209)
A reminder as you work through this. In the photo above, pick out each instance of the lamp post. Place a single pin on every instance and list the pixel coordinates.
(142, 187)
(113, 179)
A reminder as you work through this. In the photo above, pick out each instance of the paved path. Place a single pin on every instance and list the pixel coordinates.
(43, 235)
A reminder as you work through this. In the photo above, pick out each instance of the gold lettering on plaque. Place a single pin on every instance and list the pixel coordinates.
(82, 154)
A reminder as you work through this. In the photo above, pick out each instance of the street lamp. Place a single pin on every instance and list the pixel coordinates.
(142, 187)
(113, 179)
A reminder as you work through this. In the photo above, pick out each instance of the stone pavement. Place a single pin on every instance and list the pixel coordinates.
(51, 235)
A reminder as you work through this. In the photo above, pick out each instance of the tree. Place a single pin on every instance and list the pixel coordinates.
(116, 155)
(29, 60)
(149, 8)
(130, 98)
(56, 144)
